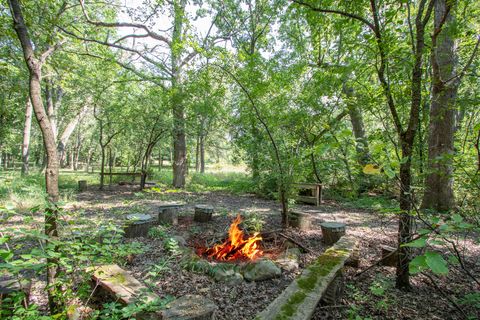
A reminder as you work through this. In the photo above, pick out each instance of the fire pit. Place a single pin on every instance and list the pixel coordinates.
(235, 247)
(241, 256)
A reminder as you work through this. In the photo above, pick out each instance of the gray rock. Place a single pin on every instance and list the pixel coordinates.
(190, 307)
(288, 260)
(227, 275)
(261, 270)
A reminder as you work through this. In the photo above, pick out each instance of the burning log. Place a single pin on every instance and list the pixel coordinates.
(235, 247)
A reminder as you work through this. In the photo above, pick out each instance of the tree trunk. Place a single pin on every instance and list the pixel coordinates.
(51, 112)
(51, 173)
(178, 109)
(405, 223)
(67, 133)
(197, 155)
(26, 136)
(202, 154)
(439, 181)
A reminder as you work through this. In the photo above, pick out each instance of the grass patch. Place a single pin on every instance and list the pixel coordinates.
(233, 182)
(27, 192)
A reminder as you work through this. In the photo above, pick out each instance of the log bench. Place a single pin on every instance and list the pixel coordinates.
(315, 196)
(124, 288)
(319, 280)
(123, 174)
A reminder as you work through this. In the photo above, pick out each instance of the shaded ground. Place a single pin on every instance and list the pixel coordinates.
(371, 294)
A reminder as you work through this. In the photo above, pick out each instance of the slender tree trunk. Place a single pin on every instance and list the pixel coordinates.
(439, 181)
(67, 133)
(197, 155)
(51, 112)
(26, 136)
(202, 154)
(51, 173)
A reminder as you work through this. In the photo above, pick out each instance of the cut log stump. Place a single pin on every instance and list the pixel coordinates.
(168, 214)
(138, 224)
(203, 213)
(82, 185)
(332, 232)
(300, 220)
(10, 287)
(390, 261)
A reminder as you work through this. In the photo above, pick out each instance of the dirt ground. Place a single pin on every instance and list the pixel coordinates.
(371, 295)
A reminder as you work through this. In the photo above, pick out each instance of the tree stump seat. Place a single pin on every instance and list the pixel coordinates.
(168, 213)
(138, 224)
(82, 185)
(332, 231)
(203, 213)
(300, 220)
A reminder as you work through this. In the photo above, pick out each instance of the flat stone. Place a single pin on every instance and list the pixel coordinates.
(262, 269)
(190, 307)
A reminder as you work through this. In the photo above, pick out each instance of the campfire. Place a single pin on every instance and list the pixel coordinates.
(236, 247)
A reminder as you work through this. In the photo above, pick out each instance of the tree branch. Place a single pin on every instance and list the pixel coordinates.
(152, 34)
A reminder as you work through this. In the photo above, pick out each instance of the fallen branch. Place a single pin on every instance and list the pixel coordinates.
(296, 242)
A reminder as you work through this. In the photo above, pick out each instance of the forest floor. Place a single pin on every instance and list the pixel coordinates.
(369, 296)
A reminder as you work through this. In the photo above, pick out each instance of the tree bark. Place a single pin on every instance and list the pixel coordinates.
(26, 136)
(51, 112)
(439, 181)
(178, 109)
(34, 65)
(202, 154)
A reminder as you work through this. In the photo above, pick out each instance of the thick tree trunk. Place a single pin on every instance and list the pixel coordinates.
(439, 181)
(26, 136)
(178, 109)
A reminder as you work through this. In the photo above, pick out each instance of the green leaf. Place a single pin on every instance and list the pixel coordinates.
(457, 218)
(418, 264)
(419, 243)
(436, 263)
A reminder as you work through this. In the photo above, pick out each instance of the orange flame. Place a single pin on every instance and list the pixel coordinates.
(235, 247)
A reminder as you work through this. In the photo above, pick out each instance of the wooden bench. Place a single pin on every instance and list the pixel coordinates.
(123, 174)
(299, 300)
(316, 193)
